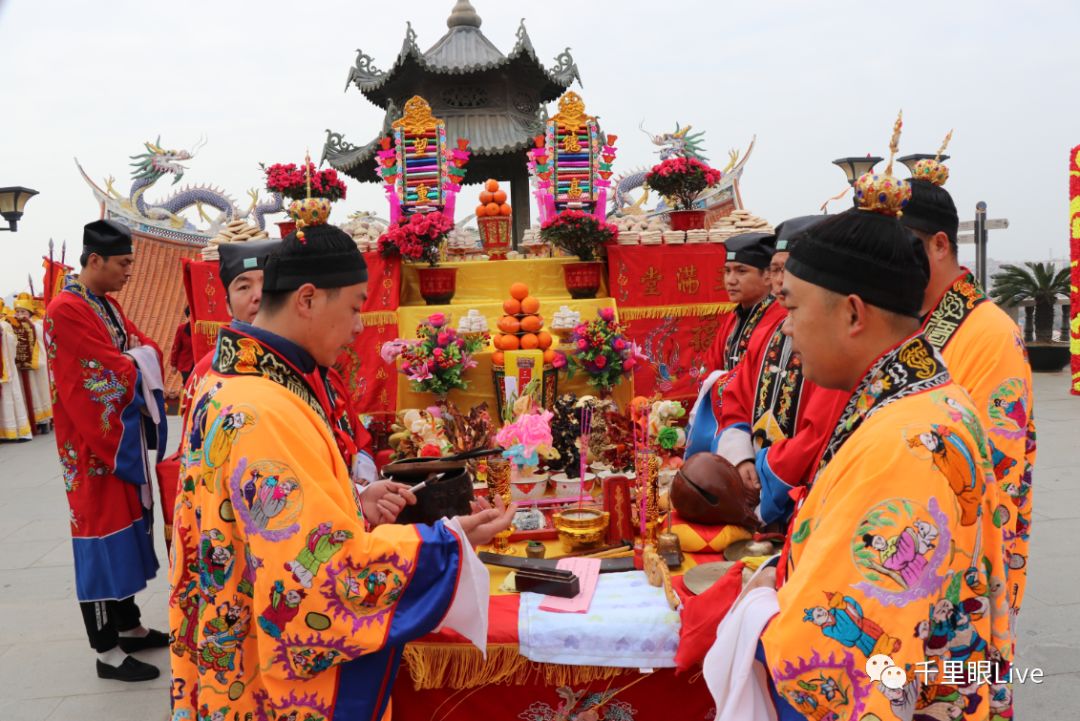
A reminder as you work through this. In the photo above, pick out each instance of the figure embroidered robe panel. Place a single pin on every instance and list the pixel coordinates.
(897, 549)
(985, 354)
(281, 600)
(98, 415)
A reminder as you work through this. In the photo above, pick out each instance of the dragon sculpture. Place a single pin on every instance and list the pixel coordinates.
(681, 143)
(157, 162)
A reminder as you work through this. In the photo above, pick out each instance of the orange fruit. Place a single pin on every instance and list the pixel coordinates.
(486, 197)
(481, 211)
(504, 209)
(492, 209)
(545, 340)
(509, 324)
(498, 358)
(491, 185)
(549, 356)
(531, 323)
(519, 291)
(499, 196)
(511, 306)
(510, 342)
(529, 305)
(529, 341)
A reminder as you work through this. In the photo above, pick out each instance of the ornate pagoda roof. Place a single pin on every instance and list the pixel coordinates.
(463, 54)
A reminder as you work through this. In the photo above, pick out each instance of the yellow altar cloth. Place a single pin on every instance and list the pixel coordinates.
(484, 286)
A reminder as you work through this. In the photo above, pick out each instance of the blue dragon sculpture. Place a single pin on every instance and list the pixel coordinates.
(155, 163)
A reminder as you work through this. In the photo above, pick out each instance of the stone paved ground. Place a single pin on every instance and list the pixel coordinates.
(47, 670)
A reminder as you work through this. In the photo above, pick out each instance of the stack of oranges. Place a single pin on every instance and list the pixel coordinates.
(492, 200)
(521, 328)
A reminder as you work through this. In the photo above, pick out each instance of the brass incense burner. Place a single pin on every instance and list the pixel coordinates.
(581, 528)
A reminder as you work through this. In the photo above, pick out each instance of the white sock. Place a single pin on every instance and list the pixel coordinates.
(139, 632)
(113, 657)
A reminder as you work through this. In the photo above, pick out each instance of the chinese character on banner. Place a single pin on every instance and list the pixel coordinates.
(704, 334)
(651, 281)
(687, 279)
(953, 673)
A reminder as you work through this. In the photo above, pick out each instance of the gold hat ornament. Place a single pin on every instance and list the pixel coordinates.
(884, 193)
(932, 170)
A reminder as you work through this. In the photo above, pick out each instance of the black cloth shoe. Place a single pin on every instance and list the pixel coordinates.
(154, 639)
(132, 669)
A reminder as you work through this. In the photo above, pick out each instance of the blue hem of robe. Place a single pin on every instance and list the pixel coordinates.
(117, 566)
(776, 503)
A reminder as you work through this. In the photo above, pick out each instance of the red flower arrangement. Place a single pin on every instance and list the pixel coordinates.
(603, 352)
(579, 233)
(682, 179)
(416, 237)
(289, 180)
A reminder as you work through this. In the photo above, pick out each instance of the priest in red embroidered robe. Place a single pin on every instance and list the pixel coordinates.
(104, 370)
(747, 284)
(774, 422)
(291, 598)
(985, 354)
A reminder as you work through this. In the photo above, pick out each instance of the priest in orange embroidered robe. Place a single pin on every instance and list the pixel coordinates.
(885, 576)
(291, 597)
(985, 354)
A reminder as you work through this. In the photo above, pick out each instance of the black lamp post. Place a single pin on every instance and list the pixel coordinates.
(855, 166)
(12, 202)
(910, 160)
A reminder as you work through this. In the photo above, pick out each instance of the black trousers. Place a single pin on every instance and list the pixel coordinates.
(106, 619)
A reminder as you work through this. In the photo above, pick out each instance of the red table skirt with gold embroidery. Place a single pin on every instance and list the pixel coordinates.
(444, 678)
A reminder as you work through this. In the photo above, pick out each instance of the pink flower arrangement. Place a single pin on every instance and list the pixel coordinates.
(528, 438)
(290, 181)
(434, 363)
(682, 179)
(603, 352)
(416, 237)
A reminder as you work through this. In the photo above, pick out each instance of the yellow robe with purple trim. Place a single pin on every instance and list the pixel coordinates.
(884, 561)
(281, 601)
(985, 353)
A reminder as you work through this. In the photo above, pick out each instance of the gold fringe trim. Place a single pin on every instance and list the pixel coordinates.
(674, 311)
(209, 329)
(460, 666)
(379, 317)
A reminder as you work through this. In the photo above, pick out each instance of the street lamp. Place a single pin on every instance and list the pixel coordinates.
(910, 160)
(12, 202)
(855, 166)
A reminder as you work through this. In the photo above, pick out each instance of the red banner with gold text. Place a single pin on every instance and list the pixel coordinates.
(206, 299)
(655, 275)
(1074, 255)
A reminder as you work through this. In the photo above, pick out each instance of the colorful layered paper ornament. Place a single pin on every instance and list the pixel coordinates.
(572, 161)
(420, 171)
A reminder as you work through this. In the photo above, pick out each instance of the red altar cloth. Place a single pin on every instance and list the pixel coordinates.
(509, 690)
(671, 299)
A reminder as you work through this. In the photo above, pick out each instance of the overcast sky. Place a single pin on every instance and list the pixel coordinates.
(812, 80)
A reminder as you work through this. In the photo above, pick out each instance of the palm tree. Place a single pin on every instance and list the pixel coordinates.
(1038, 282)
